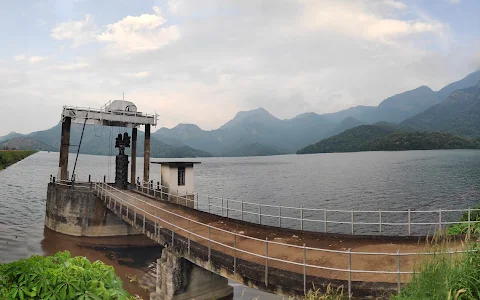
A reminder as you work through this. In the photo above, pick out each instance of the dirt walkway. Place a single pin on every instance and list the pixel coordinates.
(292, 237)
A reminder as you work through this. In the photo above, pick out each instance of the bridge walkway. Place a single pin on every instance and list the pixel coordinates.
(386, 264)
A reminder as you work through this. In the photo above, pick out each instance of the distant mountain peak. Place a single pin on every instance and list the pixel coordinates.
(187, 126)
(260, 115)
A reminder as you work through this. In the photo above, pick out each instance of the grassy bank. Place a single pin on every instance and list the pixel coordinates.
(9, 157)
(60, 277)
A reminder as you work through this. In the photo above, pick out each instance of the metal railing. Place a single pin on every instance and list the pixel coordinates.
(114, 197)
(355, 222)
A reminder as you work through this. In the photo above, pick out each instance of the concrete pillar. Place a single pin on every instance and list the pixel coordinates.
(133, 166)
(64, 146)
(146, 160)
(179, 279)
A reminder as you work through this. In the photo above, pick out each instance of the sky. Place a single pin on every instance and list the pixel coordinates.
(203, 61)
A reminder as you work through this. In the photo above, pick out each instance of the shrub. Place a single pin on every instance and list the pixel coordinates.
(442, 277)
(59, 277)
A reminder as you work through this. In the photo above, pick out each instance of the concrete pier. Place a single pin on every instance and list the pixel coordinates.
(76, 211)
(178, 279)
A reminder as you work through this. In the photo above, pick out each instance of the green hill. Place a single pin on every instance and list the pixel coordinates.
(459, 114)
(350, 140)
(25, 143)
(383, 137)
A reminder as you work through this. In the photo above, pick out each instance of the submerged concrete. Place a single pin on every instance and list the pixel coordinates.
(178, 279)
(76, 211)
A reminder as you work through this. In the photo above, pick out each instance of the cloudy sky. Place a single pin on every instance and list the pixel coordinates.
(203, 61)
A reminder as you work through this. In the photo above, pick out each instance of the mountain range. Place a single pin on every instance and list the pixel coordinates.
(257, 132)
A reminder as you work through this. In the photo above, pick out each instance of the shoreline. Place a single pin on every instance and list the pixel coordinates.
(10, 157)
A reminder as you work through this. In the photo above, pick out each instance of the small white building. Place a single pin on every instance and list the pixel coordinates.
(178, 181)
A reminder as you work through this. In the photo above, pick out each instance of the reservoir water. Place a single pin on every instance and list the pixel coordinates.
(421, 180)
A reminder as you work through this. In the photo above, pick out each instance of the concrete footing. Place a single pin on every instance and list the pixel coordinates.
(179, 279)
(77, 211)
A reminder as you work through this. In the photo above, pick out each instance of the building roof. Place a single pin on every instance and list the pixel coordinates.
(176, 163)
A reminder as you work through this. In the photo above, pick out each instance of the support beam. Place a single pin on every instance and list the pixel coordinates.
(146, 160)
(64, 146)
(133, 166)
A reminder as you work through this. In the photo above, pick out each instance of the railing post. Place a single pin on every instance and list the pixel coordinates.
(234, 253)
(409, 222)
(440, 220)
(177, 196)
(222, 206)
(325, 220)
(186, 198)
(301, 218)
(135, 217)
(227, 207)
(469, 214)
(208, 202)
(380, 220)
(241, 208)
(266, 261)
(104, 178)
(353, 223)
(144, 222)
(89, 178)
(398, 271)
(304, 270)
(280, 216)
(260, 214)
(189, 237)
(209, 245)
(173, 230)
(155, 222)
(349, 273)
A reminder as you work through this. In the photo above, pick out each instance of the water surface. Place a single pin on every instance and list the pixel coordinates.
(368, 181)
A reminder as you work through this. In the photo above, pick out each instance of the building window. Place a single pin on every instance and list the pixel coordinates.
(181, 176)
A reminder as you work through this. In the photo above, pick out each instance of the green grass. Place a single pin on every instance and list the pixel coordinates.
(457, 229)
(60, 277)
(10, 157)
(445, 276)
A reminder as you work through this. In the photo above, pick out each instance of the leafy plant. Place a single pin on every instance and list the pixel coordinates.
(60, 277)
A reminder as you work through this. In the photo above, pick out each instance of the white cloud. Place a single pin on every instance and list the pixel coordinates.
(174, 6)
(137, 75)
(73, 66)
(131, 34)
(20, 57)
(357, 19)
(36, 59)
(455, 1)
(79, 32)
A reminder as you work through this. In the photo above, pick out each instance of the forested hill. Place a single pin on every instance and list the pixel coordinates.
(383, 137)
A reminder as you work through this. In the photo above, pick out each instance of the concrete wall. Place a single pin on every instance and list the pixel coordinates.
(179, 279)
(169, 178)
(77, 212)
